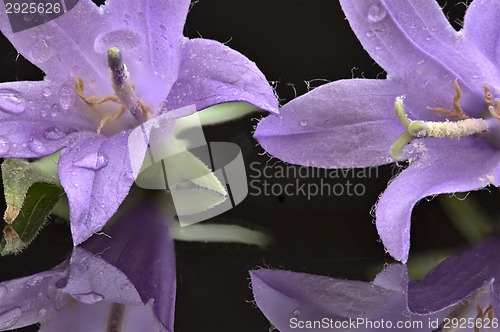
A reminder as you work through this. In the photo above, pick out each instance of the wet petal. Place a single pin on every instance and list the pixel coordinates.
(96, 174)
(212, 73)
(35, 123)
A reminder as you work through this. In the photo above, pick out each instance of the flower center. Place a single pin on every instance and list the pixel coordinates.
(464, 126)
(124, 92)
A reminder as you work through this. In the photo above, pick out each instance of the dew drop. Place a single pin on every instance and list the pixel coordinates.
(33, 281)
(141, 15)
(40, 51)
(65, 97)
(376, 13)
(428, 37)
(47, 92)
(54, 134)
(378, 47)
(28, 17)
(421, 61)
(303, 123)
(55, 110)
(36, 146)
(370, 34)
(75, 71)
(89, 298)
(296, 312)
(125, 39)
(425, 84)
(11, 101)
(4, 145)
(42, 313)
(93, 161)
(9, 318)
(126, 17)
(3, 291)
(162, 27)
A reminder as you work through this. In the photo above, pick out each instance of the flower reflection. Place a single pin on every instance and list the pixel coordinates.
(123, 279)
(463, 289)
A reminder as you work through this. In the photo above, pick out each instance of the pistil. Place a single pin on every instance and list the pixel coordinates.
(427, 129)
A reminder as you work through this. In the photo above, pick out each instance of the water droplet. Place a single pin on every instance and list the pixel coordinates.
(425, 84)
(76, 185)
(378, 47)
(4, 145)
(11, 101)
(65, 97)
(54, 133)
(75, 71)
(55, 109)
(296, 312)
(126, 17)
(36, 146)
(162, 27)
(33, 281)
(28, 17)
(9, 318)
(141, 15)
(370, 34)
(89, 298)
(3, 291)
(303, 123)
(40, 51)
(47, 92)
(42, 313)
(124, 39)
(428, 37)
(93, 161)
(376, 13)
(421, 61)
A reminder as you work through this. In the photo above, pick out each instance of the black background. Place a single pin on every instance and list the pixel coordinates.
(292, 41)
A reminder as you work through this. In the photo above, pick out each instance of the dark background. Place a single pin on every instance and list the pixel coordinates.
(292, 41)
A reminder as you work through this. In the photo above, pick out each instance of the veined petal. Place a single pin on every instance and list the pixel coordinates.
(212, 73)
(96, 174)
(481, 29)
(348, 123)
(57, 49)
(34, 123)
(140, 245)
(469, 165)
(455, 279)
(150, 34)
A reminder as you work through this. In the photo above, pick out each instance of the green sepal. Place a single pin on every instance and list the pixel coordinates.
(19, 175)
(39, 201)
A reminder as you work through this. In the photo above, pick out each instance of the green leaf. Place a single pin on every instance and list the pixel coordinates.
(38, 203)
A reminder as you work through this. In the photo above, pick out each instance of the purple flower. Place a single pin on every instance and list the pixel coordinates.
(124, 276)
(109, 69)
(464, 287)
(352, 123)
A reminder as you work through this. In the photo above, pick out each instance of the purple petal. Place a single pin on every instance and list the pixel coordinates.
(456, 278)
(96, 175)
(394, 31)
(330, 127)
(480, 28)
(150, 34)
(469, 165)
(212, 73)
(34, 122)
(32, 299)
(54, 46)
(92, 280)
(284, 295)
(141, 247)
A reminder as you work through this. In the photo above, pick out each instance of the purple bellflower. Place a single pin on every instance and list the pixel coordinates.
(463, 288)
(108, 69)
(120, 280)
(443, 84)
